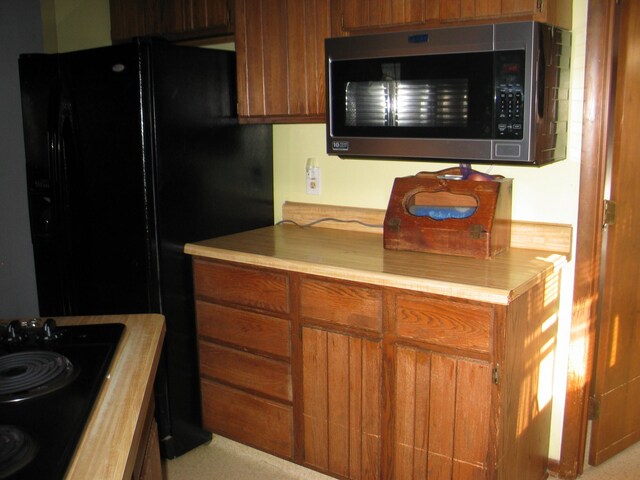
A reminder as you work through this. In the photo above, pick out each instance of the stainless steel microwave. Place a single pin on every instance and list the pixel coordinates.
(486, 93)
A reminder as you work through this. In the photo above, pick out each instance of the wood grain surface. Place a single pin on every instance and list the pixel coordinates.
(107, 449)
(359, 256)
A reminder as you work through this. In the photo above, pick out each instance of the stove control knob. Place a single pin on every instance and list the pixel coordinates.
(14, 331)
(49, 328)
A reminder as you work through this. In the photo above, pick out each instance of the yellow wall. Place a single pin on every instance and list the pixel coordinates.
(547, 194)
(79, 24)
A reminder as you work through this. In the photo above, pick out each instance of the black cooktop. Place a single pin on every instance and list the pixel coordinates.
(50, 377)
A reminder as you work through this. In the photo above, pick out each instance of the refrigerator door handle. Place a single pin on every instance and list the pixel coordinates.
(64, 170)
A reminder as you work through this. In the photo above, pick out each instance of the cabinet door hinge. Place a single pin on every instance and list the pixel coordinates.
(593, 408)
(609, 214)
(540, 6)
(495, 374)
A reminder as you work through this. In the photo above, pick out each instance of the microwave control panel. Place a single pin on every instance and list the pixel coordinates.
(509, 95)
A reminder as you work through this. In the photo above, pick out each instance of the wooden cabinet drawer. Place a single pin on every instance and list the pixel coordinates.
(245, 329)
(241, 286)
(347, 305)
(246, 370)
(446, 323)
(252, 420)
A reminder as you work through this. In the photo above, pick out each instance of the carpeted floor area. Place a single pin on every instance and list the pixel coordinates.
(223, 459)
(624, 466)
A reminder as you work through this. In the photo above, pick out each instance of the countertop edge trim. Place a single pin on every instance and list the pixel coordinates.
(451, 289)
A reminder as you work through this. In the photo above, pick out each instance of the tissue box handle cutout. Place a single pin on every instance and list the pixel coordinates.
(440, 212)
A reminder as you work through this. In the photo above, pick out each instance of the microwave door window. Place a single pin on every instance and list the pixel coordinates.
(367, 104)
(410, 103)
(447, 96)
(432, 103)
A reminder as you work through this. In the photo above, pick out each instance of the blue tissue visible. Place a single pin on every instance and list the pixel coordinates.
(441, 213)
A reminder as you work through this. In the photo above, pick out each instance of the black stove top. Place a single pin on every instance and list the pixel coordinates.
(50, 377)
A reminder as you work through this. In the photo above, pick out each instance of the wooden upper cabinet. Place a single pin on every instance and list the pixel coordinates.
(171, 19)
(359, 16)
(210, 14)
(468, 9)
(280, 57)
(380, 13)
(554, 12)
(128, 19)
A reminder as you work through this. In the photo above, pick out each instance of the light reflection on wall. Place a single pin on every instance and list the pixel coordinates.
(534, 365)
(547, 365)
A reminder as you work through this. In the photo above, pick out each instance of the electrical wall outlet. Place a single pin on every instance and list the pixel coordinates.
(313, 177)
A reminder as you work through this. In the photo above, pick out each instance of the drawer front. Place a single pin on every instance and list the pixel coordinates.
(446, 323)
(241, 286)
(251, 330)
(246, 371)
(347, 305)
(248, 419)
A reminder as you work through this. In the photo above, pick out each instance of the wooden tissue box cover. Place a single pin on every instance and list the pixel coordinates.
(483, 234)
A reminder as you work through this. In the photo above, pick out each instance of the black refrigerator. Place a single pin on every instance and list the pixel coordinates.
(132, 151)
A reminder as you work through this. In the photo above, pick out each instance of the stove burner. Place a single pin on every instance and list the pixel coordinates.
(17, 449)
(29, 374)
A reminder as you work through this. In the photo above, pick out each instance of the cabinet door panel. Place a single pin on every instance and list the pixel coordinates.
(341, 403)
(411, 407)
(441, 416)
(468, 9)
(172, 19)
(380, 13)
(129, 19)
(208, 14)
(514, 7)
(472, 419)
(249, 54)
(275, 58)
(169, 16)
(280, 51)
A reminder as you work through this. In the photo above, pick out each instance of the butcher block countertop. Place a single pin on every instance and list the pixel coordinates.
(359, 256)
(109, 443)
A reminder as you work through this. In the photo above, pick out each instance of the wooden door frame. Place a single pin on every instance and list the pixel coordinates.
(595, 126)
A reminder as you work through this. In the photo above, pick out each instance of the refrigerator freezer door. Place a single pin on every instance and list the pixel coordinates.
(87, 181)
(109, 183)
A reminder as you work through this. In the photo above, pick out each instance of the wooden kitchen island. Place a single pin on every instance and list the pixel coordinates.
(320, 346)
(120, 438)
